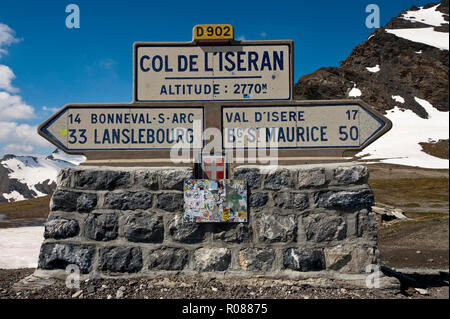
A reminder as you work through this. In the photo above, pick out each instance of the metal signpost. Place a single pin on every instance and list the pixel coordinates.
(243, 89)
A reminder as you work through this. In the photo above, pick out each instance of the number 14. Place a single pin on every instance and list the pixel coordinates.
(77, 118)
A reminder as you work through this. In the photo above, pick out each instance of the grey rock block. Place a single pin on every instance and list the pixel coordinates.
(232, 233)
(59, 228)
(314, 177)
(286, 200)
(120, 259)
(168, 259)
(255, 259)
(362, 198)
(128, 200)
(301, 201)
(276, 228)
(63, 177)
(212, 259)
(100, 180)
(323, 227)
(147, 179)
(59, 256)
(258, 199)
(170, 202)
(174, 178)
(303, 259)
(251, 175)
(350, 259)
(86, 202)
(279, 179)
(144, 227)
(367, 224)
(65, 201)
(347, 175)
(186, 232)
(101, 227)
(337, 258)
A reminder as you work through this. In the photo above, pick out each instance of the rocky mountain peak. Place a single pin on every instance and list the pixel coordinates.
(25, 176)
(393, 62)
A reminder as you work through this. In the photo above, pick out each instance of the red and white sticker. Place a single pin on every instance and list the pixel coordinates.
(214, 167)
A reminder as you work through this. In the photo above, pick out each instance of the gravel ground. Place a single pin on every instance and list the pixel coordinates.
(188, 288)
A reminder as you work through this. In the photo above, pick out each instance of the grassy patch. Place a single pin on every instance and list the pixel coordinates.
(411, 205)
(410, 191)
(425, 216)
(31, 208)
(415, 218)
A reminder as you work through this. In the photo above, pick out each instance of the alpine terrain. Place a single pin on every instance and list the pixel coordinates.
(402, 71)
(24, 177)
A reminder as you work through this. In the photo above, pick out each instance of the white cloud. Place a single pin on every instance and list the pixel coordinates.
(6, 38)
(106, 63)
(23, 134)
(241, 38)
(12, 107)
(263, 34)
(6, 76)
(17, 137)
(18, 148)
(50, 109)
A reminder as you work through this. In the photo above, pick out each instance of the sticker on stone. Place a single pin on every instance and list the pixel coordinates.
(215, 201)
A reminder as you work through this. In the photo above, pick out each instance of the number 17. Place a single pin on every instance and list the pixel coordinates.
(349, 112)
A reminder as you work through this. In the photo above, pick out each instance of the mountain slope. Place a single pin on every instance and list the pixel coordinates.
(403, 68)
(24, 177)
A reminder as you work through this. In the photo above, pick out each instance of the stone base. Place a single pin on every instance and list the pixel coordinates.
(304, 221)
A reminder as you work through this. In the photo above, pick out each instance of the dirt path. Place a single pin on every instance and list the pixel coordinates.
(195, 288)
(423, 194)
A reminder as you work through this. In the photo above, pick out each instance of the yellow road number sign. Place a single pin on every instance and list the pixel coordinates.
(213, 32)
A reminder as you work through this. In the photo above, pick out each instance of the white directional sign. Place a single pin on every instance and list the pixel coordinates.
(187, 72)
(244, 88)
(79, 128)
(346, 126)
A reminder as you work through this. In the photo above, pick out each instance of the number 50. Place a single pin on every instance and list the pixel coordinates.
(346, 132)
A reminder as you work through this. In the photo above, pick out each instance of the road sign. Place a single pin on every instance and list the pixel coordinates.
(320, 125)
(213, 32)
(240, 71)
(118, 127)
(241, 90)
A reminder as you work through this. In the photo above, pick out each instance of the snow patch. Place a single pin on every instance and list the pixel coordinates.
(423, 35)
(401, 144)
(74, 159)
(428, 16)
(19, 247)
(355, 92)
(374, 69)
(398, 98)
(14, 195)
(32, 170)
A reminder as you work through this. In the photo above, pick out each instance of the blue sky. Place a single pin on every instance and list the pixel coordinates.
(53, 65)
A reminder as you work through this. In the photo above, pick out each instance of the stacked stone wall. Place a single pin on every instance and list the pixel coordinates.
(129, 221)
